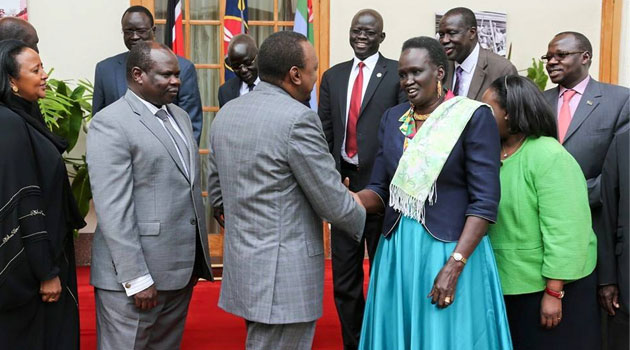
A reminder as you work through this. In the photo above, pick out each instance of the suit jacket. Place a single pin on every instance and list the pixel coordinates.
(490, 66)
(276, 185)
(467, 185)
(613, 265)
(149, 211)
(229, 91)
(383, 91)
(110, 84)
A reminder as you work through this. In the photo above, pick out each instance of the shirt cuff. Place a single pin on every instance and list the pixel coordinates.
(137, 285)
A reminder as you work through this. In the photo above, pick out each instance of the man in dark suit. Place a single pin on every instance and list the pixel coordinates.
(614, 239)
(110, 82)
(242, 53)
(471, 69)
(352, 98)
(19, 29)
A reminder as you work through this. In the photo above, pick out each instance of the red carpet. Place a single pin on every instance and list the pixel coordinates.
(209, 327)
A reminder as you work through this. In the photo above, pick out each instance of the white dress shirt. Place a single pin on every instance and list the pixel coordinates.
(468, 68)
(370, 64)
(141, 283)
(245, 89)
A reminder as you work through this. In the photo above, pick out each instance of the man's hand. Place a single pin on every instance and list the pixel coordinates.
(346, 182)
(146, 299)
(218, 215)
(50, 290)
(609, 298)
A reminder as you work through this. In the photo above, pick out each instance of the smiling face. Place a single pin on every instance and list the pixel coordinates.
(571, 65)
(242, 59)
(456, 37)
(366, 34)
(136, 26)
(31, 80)
(160, 83)
(419, 76)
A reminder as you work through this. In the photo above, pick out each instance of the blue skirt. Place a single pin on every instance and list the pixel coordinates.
(398, 314)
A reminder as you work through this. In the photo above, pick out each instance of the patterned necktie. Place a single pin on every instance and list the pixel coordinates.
(564, 118)
(458, 78)
(179, 142)
(353, 113)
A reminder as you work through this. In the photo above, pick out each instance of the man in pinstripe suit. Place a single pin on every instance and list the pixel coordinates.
(271, 171)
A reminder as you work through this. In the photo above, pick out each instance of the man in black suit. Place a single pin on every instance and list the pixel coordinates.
(613, 296)
(352, 98)
(242, 53)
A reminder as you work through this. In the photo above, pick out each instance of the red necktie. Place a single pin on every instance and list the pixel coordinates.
(564, 118)
(353, 113)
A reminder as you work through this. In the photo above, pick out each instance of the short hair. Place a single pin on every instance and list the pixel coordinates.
(278, 53)
(583, 43)
(140, 56)
(523, 101)
(433, 47)
(139, 9)
(241, 39)
(469, 17)
(9, 66)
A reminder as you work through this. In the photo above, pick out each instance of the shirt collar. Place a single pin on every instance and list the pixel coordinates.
(579, 88)
(152, 108)
(245, 86)
(370, 62)
(470, 62)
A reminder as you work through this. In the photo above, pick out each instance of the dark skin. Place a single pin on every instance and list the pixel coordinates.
(366, 33)
(550, 307)
(570, 70)
(159, 86)
(136, 26)
(242, 59)
(456, 37)
(419, 77)
(608, 297)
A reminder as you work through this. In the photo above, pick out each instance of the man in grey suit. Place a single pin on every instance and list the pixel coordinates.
(471, 69)
(110, 82)
(271, 170)
(589, 114)
(150, 245)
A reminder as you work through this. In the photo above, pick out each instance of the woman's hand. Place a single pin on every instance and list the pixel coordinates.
(550, 311)
(443, 291)
(50, 290)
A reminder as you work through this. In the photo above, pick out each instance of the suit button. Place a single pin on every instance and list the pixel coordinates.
(127, 285)
(193, 221)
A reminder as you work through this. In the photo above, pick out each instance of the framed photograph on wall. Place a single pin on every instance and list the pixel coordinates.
(13, 8)
(491, 30)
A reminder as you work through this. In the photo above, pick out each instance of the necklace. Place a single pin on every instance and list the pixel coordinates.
(506, 153)
(421, 117)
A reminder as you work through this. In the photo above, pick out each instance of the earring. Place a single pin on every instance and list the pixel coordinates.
(439, 89)
(505, 117)
(15, 89)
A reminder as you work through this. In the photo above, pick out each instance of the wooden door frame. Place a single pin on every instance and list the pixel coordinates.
(610, 41)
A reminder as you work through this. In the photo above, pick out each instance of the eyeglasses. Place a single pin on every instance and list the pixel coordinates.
(139, 32)
(559, 56)
(245, 64)
(369, 33)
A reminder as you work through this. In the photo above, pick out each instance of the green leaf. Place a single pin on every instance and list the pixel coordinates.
(81, 190)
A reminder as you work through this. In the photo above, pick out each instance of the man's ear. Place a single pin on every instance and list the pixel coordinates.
(473, 33)
(137, 75)
(295, 75)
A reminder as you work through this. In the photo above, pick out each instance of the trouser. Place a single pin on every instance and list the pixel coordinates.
(290, 336)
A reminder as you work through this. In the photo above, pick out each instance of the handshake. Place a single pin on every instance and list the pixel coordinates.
(355, 195)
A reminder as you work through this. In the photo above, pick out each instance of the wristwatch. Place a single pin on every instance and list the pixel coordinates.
(555, 293)
(459, 257)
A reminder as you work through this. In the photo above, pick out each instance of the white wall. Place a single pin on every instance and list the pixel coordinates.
(531, 24)
(624, 49)
(74, 35)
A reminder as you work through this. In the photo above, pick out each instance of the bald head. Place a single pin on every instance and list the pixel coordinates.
(19, 29)
(366, 33)
(242, 53)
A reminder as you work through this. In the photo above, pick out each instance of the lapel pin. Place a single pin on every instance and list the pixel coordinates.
(589, 102)
(379, 74)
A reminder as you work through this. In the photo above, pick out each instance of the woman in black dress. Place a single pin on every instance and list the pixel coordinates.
(38, 289)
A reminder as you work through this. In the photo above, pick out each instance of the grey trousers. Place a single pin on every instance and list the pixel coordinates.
(291, 336)
(121, 325)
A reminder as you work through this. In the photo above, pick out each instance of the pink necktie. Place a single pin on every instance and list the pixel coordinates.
(353, 113)
(564, 118)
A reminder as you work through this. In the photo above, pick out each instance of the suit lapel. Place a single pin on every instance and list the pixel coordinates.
(450, 69)
(375, 79)
(120, 74)
(478, 75)
(151, 122)
(588, 103)
(343, 90)
(235, 88)
(181, 122)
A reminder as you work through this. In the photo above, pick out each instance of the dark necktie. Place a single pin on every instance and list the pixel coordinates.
(251, 87)
(353, 113)
(458, 78)
(179, 142)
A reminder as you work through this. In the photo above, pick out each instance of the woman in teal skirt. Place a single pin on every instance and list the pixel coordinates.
(434, 282)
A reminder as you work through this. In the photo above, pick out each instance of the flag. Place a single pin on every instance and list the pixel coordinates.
(235, 23)
(304, 25)
(174, 33)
